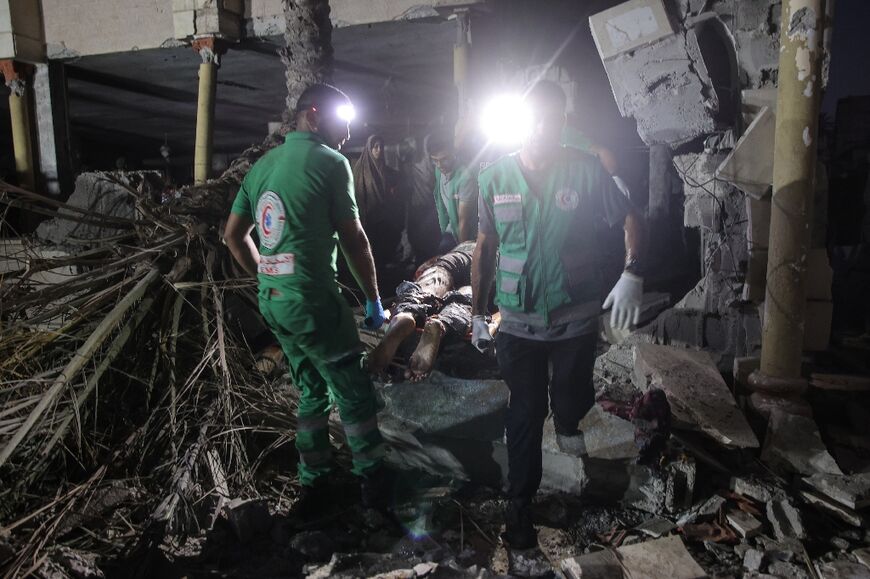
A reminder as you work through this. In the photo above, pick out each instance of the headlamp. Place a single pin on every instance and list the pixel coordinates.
(506, 120)
(346, 112)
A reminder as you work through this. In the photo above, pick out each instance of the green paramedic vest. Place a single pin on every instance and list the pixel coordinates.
(548, 252)
(447, 202)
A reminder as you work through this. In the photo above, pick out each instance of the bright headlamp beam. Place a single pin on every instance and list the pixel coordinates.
(346, 112)
(506, 120)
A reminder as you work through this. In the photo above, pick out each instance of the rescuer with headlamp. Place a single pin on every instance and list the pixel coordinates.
(543, 214)
(300, 198)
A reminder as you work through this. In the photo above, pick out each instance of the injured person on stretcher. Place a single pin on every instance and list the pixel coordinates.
(439, 303)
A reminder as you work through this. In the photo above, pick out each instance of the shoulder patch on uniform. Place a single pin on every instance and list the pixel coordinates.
(500, 198)
(271, 218)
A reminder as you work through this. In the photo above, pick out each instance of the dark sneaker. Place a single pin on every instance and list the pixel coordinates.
(314, 501)
(377, 488)
(519, 533)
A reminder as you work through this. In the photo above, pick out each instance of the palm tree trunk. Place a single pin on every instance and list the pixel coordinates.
(308, 47)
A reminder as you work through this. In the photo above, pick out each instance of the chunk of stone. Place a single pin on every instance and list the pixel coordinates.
(790, 570)
(756, 489)
(794, 445)
(644, 82)
(750, 164)
(785, 520)
(703, 511)
(656, 527)
(842, 569)
(607, 436)
(831, 507)
(863, 556)
(752, 560)
(745, 524)
(698, 395)
(852, 491)
(666, 557)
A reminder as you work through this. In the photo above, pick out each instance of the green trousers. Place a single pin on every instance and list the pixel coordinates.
(319, 337)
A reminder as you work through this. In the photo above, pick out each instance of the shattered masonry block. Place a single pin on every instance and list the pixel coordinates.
(833, 508)
(628, 26)
(794, 445)
(745, 524)
(666, 87)
(852, 491)
(785, 520)
(666, 557)
(698, 395)
(750, 165)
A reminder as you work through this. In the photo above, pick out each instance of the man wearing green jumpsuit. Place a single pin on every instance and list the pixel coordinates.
(300, 198)
(544, 213)
(455, 194)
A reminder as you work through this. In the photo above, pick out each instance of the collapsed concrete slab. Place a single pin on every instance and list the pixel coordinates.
(455, 428)
(698, 395)
(667, 557)
(750, 165)
(794, 445)
(852, 491)
(648, 66)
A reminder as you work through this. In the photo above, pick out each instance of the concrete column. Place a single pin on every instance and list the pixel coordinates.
(17, 79)
(52, 122)
(210, 50)
(461, 65)
(798, 100)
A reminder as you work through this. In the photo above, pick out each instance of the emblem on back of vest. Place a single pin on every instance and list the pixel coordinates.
(567, 199)
(271, 218)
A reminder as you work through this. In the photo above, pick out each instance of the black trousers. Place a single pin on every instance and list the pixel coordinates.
(525, 367)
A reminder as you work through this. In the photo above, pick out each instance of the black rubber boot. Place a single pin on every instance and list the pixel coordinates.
(377, 488)
(314, 501)
(519, 533)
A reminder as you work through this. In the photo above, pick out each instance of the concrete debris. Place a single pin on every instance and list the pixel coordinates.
(665, 557)
(66, 562)
(745, 524)
(702, 511)
(607, 436)
(852, 491)
(666, 490)
(743, 367)
(785, 520)
(656, 527)
(629, 26)
(790, 570)
(109, 195)
(528, 563)
(749, 167)
(756, 489)
(645, 81)
(794, 445)
(841, 569)
(762, 404)
(833, 508)
(752, 560)
(699, 397)
(840, 382)
(248, 518)
(863, 556)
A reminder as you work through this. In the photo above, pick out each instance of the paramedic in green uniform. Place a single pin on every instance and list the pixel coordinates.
(542, 214)
(455, 194)
(300, 198)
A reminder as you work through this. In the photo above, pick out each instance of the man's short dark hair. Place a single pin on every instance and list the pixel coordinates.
(546, 94)
(441, 142)
(320, 95)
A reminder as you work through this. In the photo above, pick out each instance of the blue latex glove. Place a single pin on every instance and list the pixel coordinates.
(374, 314)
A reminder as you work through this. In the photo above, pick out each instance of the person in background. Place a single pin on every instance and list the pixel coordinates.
(455, 193)
(380, 202)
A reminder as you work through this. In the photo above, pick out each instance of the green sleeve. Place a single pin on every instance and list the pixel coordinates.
(242, 204)
(443, 217)
(344, 201)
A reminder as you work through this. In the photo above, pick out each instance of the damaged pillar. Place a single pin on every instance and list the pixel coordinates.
(17, 76)
(461, 64)
(210, 49)
(799, 96)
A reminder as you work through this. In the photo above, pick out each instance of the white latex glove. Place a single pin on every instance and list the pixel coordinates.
(625, 297)
(480, 336)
